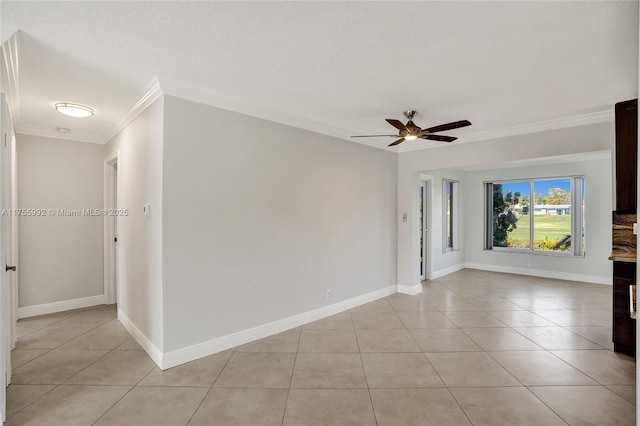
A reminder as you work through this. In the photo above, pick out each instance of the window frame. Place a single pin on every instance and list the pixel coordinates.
(578, 196)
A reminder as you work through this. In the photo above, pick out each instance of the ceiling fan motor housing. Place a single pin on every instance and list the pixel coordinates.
(412, 129)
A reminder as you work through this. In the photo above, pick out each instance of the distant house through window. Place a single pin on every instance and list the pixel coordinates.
(541, 215)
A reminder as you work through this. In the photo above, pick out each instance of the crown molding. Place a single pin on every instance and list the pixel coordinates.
(159, 87)
(48, 132)
(203, 96)
(11, 63)
(543, 126)
(151, 94)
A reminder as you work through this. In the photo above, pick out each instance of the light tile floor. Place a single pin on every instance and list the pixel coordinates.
(475, 347)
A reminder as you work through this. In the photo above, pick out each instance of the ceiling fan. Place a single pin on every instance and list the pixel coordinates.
(409, 131)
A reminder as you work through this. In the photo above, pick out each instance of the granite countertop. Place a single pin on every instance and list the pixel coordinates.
(623, 239)
(622, 256)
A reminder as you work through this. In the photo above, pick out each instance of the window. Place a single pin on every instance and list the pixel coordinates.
(450, 214)
(541, 215)
(422, 197)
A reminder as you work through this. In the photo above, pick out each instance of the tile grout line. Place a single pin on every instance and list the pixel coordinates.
(210, 388)
(57, 322)
(366, 379)
(293, 369)
(67, 341)
(573, 366)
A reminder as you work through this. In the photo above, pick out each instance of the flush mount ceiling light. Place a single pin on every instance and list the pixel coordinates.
(74, 110)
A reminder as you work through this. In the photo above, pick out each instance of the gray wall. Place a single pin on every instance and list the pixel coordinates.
(139, 147)
(60, 257)
(260, 219)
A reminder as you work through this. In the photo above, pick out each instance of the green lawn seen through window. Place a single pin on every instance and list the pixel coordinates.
(551, 228)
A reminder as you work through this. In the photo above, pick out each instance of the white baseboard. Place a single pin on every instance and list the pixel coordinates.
(594, 279)
(154, 353)
(64, 305)
(411, 290)
(447, 271)
(190, 353)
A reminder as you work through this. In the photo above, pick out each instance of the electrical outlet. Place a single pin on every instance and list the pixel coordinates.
(328, 294)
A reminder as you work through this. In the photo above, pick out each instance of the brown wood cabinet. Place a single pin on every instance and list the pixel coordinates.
(624, 327)
(624, 273)
(626, 154)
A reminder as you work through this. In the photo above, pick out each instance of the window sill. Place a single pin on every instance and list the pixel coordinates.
(535, 252)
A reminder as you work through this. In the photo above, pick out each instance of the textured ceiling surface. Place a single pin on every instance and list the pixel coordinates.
(339, 68)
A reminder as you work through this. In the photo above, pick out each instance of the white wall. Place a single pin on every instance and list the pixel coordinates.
(60, 257)
(139, 148)
(260, 219)
(594, 266)
(583, 139)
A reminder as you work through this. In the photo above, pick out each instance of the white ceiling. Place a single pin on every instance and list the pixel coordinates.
(339, 68)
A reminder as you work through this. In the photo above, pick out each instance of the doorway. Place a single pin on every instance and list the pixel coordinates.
(111, 229)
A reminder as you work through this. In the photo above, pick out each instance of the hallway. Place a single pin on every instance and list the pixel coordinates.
(475, 347)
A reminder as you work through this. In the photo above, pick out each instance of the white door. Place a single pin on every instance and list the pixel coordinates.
(5, 256)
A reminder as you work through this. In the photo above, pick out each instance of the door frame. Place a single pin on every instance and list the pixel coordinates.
(110, 190)
(426, 182)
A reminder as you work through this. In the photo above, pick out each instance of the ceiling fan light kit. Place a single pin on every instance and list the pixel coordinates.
(409, 131)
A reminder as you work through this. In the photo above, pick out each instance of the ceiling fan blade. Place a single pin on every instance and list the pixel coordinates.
(397, 124)
(374, 136)
(439, 138)
(397, 142)
(448, 126)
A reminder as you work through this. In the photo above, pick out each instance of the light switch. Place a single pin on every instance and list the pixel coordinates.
(635, 229)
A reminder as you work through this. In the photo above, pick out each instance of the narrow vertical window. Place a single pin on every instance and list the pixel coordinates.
(450, 214)
(422, 230)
